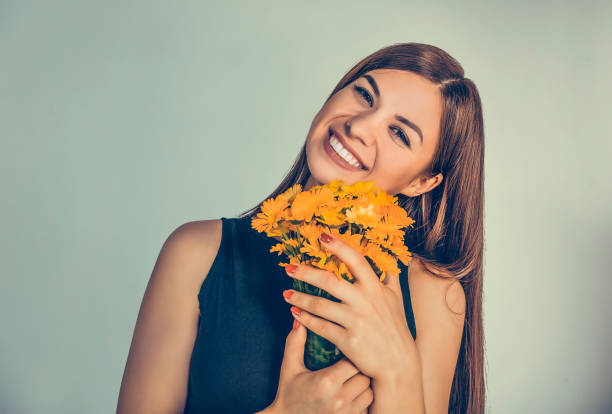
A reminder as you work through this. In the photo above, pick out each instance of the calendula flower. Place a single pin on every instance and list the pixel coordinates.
(290, 194)
(272, 211)
(365, 216)
(362, 215)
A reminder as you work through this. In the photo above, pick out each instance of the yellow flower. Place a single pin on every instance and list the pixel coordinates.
(311, 232)
(361, 188)
(353, 240)
(335, 185)
(363, 215)
(318, 256)
(383, 261)
(303, 206)
(399, 216)
(360, 214)
(380, 198)
(331, 217)
(290, 194)
(272, 210)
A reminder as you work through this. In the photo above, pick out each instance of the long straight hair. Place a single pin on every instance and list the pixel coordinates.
(448, 233)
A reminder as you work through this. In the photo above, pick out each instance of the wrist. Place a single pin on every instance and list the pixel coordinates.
(399, 391)
(403, 375)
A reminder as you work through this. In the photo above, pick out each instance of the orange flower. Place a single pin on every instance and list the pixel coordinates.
(304, 206)
(360, 214)
(272, 211)
(331, 217)
(363, 215)
(290, 194)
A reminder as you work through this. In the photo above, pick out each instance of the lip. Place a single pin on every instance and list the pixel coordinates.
(347, 147)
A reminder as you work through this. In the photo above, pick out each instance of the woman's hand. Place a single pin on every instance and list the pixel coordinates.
(369, 324)
(339, 388)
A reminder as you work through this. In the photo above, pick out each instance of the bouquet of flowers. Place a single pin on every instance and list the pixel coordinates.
(360, 214)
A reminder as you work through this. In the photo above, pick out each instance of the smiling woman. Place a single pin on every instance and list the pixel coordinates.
(211, 335)
(413, 121)
(370, 122)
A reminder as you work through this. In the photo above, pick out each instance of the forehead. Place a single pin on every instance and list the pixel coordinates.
(407, 89)
(411, 96)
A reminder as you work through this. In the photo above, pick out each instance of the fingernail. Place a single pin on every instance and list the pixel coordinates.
(296, 324)
(325, 238)
(287, 293)
(290, 268)
(296, 311)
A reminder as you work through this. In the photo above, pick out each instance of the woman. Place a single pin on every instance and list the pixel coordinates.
(406, 118)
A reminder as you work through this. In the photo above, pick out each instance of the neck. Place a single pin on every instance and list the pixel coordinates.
(310, 183)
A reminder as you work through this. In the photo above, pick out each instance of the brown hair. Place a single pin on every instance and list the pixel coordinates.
(448, 233)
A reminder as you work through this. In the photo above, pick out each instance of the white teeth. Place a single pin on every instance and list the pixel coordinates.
(340, 150)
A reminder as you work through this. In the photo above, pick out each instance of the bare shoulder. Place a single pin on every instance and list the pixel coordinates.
(190, 250)
(195, 243)
(434, 291)
(195, 235)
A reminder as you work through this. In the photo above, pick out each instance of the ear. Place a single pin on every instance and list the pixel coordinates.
(422, 184)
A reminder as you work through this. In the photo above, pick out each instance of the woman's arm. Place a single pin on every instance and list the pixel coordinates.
(157, 367)
(423, 385)
(439, 312)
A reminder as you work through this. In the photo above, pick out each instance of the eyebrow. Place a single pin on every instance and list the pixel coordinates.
(400, 118)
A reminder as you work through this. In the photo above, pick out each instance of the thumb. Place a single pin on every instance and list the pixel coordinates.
(293, 358)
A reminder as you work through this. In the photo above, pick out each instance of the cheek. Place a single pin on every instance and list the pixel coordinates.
(317, 127)
(395, 165)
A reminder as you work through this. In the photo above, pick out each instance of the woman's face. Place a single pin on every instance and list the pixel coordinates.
(367, 114)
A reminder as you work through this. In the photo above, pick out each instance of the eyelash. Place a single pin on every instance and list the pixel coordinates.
(361, 92)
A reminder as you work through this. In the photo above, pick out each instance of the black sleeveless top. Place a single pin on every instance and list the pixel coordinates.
(243, 324)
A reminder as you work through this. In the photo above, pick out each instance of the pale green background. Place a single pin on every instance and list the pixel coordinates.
(122, 120)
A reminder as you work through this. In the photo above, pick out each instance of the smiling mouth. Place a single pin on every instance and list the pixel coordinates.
(339, 146)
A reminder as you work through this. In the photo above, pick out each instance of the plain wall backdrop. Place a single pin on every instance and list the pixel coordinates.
(121, 120)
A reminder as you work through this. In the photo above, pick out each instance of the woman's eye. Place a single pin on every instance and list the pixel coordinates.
(398, 132)
(364, 93)
(401, 135)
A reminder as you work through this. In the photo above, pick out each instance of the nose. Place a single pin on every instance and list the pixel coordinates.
(360, 129)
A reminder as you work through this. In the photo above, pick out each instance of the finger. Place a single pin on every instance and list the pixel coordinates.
(393, 282)
(355, 261)
(363, 401)
(351, 390)
(293, 357)
(328, 309)
(334, 333)
(326, 280)
(355, 386)
(341, 370)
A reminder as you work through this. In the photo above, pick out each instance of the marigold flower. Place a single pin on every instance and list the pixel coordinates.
(361, 214)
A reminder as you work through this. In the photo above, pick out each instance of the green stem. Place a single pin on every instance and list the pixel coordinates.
(299, 242)
(318, 351)
(285, 239)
